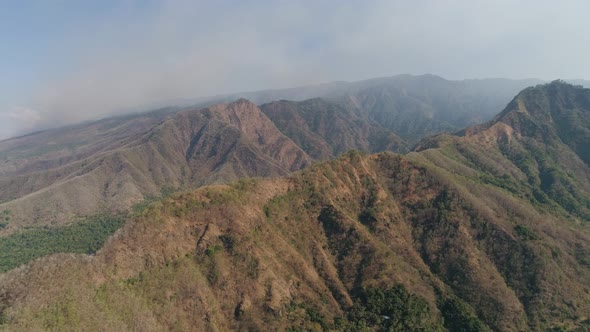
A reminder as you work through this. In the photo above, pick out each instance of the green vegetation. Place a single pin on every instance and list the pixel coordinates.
(235, 194)
(85, 237)
(393, 309)
(4, 219)
(165, 192)
(368, 215)
(211, 250)
(505, 182)
(525, 233)
(377, 309)
(460, 317)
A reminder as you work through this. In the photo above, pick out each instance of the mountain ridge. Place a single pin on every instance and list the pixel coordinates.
(75, 155)
(477, 230)
(340, 226)
(191, 147)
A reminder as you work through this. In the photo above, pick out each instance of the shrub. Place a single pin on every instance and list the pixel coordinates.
(212, 250)
(525, 232)
(460, 317)
(392, 309)
(228, 241)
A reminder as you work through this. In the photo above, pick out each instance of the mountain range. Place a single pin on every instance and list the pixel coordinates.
(112, 164)
(483, 228)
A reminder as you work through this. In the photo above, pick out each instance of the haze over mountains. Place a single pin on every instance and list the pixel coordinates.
(482, 229)
(419, 87)
(496, 90)
(112, 164)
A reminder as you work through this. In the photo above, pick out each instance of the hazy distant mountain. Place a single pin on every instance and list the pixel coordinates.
(486, 229)
(53, 176)
(490, 89)
(411, 106)
(414, 107)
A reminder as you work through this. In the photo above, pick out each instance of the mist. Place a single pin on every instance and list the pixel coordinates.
(134, 54)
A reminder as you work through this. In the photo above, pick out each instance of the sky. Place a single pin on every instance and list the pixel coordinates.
(63, 62)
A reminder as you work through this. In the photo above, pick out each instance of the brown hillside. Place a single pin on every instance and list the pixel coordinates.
(192, 148)
(57, 176)
(298, 252)
(483, 230)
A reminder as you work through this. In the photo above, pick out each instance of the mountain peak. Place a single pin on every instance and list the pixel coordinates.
(545, 103)
(239, 104)
(243, 102)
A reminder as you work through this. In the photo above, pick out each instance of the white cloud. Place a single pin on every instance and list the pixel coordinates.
(19, 120)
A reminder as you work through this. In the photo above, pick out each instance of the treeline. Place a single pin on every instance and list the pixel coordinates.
(395, 309)
(84, 237)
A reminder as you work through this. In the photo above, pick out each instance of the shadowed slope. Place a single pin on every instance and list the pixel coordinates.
(325, 130)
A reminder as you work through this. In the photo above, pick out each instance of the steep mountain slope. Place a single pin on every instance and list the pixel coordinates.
(380, 114)
(414, 107)
(325, 130)
(385, 113)
(192, 148)
(113, 163)
(537, 147)
(486, 229)
(535, 151)
(325, 243)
